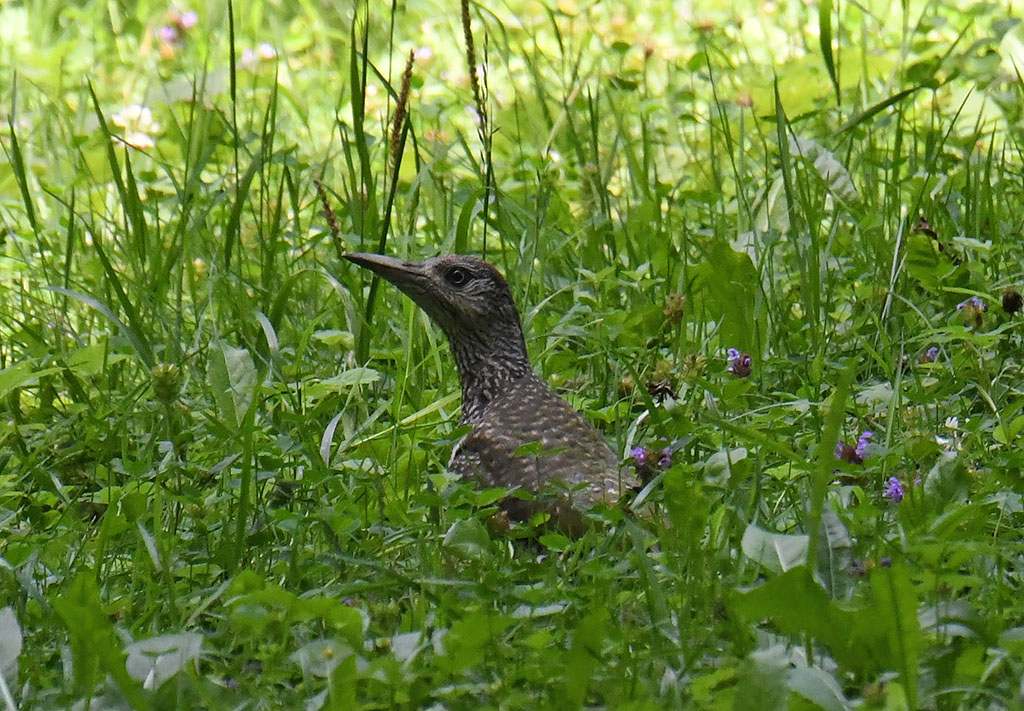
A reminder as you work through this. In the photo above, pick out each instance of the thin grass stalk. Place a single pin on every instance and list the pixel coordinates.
(233, 80)
(245, 490)
(484, 131)
(17, 162)
(397, 147)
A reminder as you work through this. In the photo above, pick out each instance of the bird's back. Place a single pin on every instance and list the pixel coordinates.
(529, 437)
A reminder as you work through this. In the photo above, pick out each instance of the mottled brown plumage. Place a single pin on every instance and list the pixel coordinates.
(524, 436)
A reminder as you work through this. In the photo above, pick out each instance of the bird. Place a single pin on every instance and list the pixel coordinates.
(524, 436)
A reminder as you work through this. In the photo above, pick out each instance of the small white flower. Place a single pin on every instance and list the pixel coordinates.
(953, 423)
(423, 53)
(267, 51)
(137, 122)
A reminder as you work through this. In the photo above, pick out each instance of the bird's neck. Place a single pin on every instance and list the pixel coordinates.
(488, 364)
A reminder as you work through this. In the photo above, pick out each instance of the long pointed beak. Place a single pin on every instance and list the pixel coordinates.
(398, 272)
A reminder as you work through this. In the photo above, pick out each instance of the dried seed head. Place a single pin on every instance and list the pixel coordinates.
(675, 305)
(401, 110)
(332, 220)
(1012, 300)
(661, 389)
(166, 382)
(474, 80)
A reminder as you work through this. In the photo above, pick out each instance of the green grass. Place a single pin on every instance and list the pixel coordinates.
(222, 450)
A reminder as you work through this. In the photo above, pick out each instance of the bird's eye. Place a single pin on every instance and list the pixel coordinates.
(457, 276)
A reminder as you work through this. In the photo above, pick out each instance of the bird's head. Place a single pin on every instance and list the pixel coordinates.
(467, 297)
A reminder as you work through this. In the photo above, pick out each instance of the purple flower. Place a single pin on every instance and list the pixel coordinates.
(189, 19)
(852, 454)
(665, 458)
(862, 443)
(739, 363)
(639, 455)
(168, 34)
(929, 356)
(893, 490)
(646, 464)
(974, 302)
(973, 309)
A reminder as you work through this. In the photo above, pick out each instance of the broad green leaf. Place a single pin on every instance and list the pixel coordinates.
(798, 606)
(467, 538)
(94, 644)
(153, 661)
(344, 684)
(465, 640)
(14, 376)
(344, 620)
(329, 387)
(1006, 433)
(10, 643)
(778, 552)
(762, 682)
(896, 603)
(930, 265)
(583, 655)
(819, 687)
(233, 377)
(90, 360)
(832, 172)
(728, 287)
(834, 554)
(342, 340)
(320, 657)
(349, 378)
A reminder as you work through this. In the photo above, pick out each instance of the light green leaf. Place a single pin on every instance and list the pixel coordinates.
(467, 538)
(153, 661)
(232, 375)
(897, 605)
(832, 172)
(778, 552)
(10, 643)
(819, 687)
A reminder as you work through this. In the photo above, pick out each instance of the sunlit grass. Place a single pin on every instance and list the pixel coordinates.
(218, 447)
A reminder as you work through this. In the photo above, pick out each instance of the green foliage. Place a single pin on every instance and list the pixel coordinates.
(223, 482)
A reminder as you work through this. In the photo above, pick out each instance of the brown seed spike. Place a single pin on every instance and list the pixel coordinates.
(401, 110)
(1012, 300)
(474, 80)
(524, 436)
